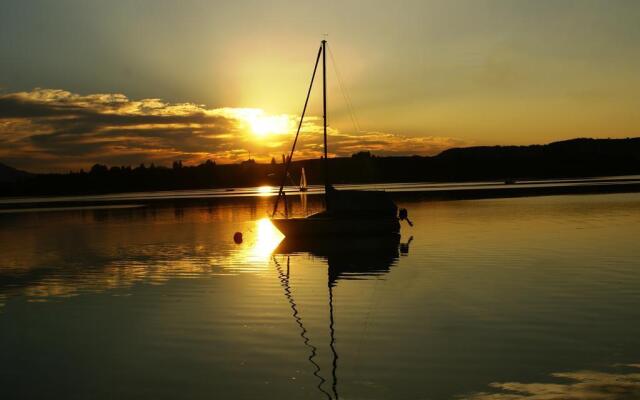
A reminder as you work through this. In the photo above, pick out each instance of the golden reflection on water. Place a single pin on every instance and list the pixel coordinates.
(260, 239)
(267, 239)
(154, 264)
(594, 385)
(265, 190)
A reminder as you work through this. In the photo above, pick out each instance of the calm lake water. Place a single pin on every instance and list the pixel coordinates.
(531, 297)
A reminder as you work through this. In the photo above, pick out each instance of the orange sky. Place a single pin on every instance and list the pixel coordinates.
(155, 81)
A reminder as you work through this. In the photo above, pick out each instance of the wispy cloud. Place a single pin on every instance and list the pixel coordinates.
(49, 129)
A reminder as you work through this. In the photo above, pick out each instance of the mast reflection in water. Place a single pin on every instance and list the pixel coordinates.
(347, 258)
(495, 295)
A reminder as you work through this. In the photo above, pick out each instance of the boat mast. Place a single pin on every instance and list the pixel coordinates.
(324, 117)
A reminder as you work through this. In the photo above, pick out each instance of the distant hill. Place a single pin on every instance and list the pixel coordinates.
(9, 174)
(566, 159)
(569, 158)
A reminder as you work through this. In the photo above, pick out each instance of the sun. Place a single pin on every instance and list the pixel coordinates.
(263, 125)
(257, 122)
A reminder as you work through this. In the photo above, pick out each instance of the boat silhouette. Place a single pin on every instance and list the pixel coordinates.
(347, 212)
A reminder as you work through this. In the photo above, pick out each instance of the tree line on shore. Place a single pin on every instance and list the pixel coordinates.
(565, 159)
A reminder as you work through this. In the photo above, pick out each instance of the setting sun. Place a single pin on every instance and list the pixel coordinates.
(373, 199)
(263, 125)
(260, 123)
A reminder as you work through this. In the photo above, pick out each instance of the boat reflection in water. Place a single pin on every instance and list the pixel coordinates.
(347, 258)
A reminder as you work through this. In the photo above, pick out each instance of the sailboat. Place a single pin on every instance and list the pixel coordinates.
(347, 212)
(303, 181)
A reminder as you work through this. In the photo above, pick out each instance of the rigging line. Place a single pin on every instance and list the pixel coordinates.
(284, 282)
(293, 147)
(345, 94)
(324, 125)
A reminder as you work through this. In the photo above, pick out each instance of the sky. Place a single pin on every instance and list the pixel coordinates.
(126, 82)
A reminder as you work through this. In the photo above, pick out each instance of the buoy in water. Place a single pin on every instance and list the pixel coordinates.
(237, 237)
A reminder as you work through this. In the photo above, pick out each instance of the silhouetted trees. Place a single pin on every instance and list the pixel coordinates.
(571, 158)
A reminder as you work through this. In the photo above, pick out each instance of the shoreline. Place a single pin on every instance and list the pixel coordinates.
(400, 191)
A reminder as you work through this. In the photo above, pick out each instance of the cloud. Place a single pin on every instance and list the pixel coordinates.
(592, 385)
(51, 129)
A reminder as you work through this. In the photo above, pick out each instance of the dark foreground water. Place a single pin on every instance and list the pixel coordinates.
(528, 298)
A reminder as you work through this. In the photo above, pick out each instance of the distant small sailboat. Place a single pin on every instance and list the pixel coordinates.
(303, 181)
(348, 212)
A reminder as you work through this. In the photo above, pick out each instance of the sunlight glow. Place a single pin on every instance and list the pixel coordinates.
(267, 239)
(261, 124)
(265, 125)
(261, 238)
(265, 190)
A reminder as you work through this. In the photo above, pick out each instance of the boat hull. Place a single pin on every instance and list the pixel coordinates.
(324, 226)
